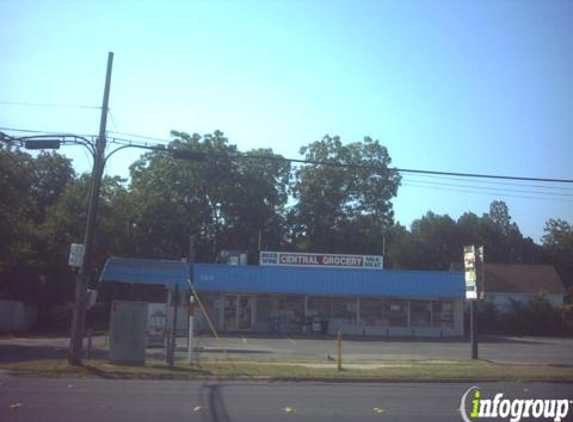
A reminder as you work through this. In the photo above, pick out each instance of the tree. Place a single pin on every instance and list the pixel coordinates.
(499, 215)
(558, 244)
(433, 244)
(334, 201)
(28, 188)
(225, 199)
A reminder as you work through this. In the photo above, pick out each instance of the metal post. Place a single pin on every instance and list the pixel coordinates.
(191, 318)
(473, 329)
(173, 345)
(339, 349)
(82, 280)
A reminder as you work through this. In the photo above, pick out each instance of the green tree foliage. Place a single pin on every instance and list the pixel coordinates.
(342, 208)
(434, 241)
(558, 244)
(29, 187)
(437, 242)
(225, 199)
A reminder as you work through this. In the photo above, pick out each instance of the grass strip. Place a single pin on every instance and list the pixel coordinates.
(387, 370)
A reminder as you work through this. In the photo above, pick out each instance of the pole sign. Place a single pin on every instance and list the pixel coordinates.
(473, 266)
(480, 273)
(373, 262)
(470, 272)
(76, 256)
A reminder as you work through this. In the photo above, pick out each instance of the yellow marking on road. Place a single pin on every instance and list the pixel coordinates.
(289, 409)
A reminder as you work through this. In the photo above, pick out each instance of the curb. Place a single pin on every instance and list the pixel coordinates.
(321, 380)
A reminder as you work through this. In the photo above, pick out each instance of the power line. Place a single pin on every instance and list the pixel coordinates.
(47, 105)
(425, 178)
(45, 132)
(345, 165)
(447, 190)
(485, 176)
(497, 189)
(112, 120)
(149, 138)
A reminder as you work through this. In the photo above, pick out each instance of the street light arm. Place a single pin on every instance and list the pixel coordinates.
(75, 140)
(133, 146)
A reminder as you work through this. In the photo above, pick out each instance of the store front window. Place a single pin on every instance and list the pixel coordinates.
(397, 313)
(238, 312)
(420, 313)
(289, 317)
(344, 309)
(319, 307)
(372, 312)
(443, 314)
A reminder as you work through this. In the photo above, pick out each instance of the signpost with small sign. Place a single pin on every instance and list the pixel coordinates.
(76, 257)
(473, 267)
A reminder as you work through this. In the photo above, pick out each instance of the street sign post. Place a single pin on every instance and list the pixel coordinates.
(473, 266)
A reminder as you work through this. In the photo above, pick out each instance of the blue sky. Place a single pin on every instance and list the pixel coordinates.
(469, 86)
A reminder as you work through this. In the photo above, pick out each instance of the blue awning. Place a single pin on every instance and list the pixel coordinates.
(146, 271)
(287, 280)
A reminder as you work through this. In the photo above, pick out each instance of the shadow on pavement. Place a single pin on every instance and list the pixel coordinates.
(212, 403)
(514, 340)
(20, 353)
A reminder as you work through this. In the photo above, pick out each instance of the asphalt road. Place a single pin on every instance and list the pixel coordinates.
(23, 399)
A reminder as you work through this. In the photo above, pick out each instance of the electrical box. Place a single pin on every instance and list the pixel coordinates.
(128, 332)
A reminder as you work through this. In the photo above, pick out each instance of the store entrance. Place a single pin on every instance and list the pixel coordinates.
(239, 312)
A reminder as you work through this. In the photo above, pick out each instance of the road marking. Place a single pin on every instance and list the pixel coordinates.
(378, 410)
(289, 409)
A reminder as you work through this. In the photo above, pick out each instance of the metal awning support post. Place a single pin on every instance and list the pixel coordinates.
(173, 339)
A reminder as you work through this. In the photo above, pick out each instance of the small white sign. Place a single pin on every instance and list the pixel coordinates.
(76, 255)
(471, 272)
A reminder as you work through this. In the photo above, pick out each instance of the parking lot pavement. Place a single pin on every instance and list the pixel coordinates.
(555, 351)
(533, 350)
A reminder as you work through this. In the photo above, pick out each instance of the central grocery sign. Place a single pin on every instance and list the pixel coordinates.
(321, 260)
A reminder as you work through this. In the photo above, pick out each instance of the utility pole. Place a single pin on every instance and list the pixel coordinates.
(83, 277)
(473, 329)
(192, 252)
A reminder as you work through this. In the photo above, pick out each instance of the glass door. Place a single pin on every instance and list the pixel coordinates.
(239, 312)
(230, 313)
(246, 312)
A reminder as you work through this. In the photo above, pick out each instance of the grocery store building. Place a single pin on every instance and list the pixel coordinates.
(351, 293)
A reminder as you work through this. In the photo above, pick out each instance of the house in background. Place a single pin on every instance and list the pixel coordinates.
(505, 283)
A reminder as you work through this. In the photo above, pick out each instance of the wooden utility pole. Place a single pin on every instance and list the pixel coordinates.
(83, 277)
